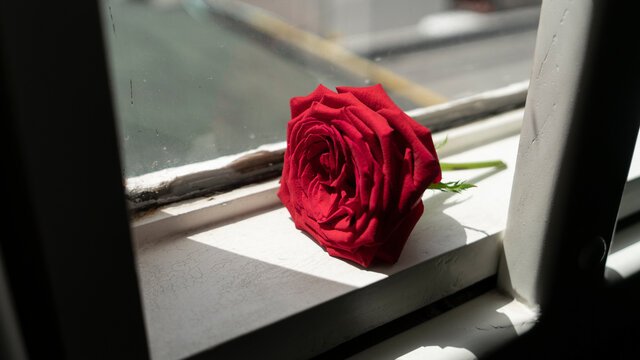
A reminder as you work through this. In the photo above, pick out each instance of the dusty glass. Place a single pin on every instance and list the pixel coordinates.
(195, 80)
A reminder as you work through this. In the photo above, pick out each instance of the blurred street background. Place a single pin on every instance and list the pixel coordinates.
(195, 80)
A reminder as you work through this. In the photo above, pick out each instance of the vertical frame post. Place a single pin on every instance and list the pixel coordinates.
(68, 256)
(581, 122)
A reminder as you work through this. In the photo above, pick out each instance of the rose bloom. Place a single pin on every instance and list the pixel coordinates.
(355, 169)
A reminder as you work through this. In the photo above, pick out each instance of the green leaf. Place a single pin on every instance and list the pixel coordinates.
(453, 186)
(443, 143)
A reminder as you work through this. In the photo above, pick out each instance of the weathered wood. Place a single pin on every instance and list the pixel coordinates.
(465, 110)
(176, 184)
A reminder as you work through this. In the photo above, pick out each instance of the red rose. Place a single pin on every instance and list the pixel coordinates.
(355, 169)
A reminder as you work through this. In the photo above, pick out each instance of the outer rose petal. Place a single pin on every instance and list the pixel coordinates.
(424, 153)
(354, 172)
(302, 103)
(373, 97)
(390, 251)
(363, 256)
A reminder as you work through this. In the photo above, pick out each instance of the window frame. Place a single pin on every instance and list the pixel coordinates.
(67, 253)
(72, 280)
(176, 235)
(156, 189)
(572, 221)
(557, 241)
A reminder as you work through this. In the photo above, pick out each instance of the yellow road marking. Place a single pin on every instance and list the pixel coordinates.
(341, 57)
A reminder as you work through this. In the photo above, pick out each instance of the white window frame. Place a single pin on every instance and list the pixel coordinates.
(167, 237)
(528, 246)
(553, 249)
(205, 178)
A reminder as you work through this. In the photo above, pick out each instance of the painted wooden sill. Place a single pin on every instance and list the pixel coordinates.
(228, 275)
(490, 321)
(472, 330)
(623, 261)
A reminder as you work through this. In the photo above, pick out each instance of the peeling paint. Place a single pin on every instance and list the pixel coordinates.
(113, 25)
(554, 40)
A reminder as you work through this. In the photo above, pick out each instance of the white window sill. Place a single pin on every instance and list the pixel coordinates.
(212, 271)
(623, 261)
(469, 331)
(492, 320)
(631, 198)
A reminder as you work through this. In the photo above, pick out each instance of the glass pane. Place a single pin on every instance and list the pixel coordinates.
(195, 80)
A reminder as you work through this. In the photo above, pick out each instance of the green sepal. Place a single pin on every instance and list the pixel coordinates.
(443, 143)
(453, 186)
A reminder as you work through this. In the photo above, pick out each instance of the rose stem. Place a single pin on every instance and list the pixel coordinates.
(471, 165)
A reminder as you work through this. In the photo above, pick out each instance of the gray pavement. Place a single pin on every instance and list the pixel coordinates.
(465, 68)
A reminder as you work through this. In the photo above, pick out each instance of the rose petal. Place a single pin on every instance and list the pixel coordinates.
(302, 103)
(398, 234)
(373, 97)
(363, 256)
(424, 154)
(355, 169)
